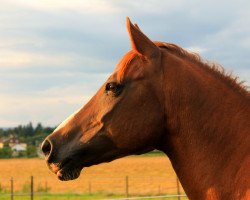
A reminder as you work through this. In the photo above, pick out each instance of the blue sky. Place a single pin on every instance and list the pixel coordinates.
(54, 54)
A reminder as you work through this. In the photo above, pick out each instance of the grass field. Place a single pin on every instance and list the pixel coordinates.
(147, 175)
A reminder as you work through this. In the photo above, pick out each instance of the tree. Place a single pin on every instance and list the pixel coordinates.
(31, 151)
(6, 152)
(29, 130)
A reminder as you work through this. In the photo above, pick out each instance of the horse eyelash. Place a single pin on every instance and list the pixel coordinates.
(116, 91)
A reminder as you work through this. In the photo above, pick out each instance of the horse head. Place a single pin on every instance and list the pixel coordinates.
(116, 121)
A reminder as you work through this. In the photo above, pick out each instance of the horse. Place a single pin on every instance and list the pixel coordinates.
(163, 97)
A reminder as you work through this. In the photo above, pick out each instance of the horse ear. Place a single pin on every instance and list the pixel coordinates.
(140, 42)
(136, 25)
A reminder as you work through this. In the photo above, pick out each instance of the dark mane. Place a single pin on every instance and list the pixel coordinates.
(214, 68)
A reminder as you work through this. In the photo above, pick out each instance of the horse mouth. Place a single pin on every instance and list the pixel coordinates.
(68, 171)
(70, 165)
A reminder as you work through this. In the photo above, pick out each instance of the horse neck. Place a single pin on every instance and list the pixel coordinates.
(207, 137)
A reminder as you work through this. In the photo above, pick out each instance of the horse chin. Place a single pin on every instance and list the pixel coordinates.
(69, 174)
(68, 170)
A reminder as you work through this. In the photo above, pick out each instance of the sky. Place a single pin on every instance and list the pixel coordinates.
(55, 54)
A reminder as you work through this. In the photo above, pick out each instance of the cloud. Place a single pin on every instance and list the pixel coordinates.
(49, 107)
(79, 6)
(229, 45)
(26, 109)
(196, 49)
(17, 61)
(11, 59)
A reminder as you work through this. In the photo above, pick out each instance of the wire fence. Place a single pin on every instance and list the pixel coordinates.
(119, 188)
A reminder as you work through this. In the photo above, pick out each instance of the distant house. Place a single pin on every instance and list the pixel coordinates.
(14, 143)
(1, 143)
(19, 147)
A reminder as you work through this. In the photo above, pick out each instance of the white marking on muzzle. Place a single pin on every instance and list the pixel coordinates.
(66, 121)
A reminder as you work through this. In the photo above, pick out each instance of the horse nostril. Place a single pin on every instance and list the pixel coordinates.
(46, 147)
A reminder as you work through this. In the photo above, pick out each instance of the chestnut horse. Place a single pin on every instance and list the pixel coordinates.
(163, 97)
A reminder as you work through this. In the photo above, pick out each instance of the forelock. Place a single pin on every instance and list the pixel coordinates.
(124, 63)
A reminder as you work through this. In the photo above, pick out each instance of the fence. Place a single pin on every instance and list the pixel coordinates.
(121, 188)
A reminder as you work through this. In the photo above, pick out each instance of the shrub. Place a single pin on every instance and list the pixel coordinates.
(6, 152)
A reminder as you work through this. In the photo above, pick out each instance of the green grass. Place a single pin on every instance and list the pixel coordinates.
(69, 196)
(152, 154)
(60, 197)
(63, 196)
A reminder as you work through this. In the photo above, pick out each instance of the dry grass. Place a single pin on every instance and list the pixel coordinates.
(147, 175)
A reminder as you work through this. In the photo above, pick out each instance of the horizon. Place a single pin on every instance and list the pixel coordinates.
(33, 125)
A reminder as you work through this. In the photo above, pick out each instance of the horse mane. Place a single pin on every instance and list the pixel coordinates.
(214, 68)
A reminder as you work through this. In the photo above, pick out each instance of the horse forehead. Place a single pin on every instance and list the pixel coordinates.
(125, 63)
(126, 59)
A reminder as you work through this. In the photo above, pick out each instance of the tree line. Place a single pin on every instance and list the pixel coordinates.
(28, 134)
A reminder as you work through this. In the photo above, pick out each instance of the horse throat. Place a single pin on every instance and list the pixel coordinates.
(207, 134)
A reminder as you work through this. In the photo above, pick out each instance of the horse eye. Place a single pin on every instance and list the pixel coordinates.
(113, 88)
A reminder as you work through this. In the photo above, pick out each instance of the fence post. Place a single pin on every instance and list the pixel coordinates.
(178, 188)
(126, 184)
(31, 187)
(11, 188)
(46, 186)
(159, 190)
(90, 187)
